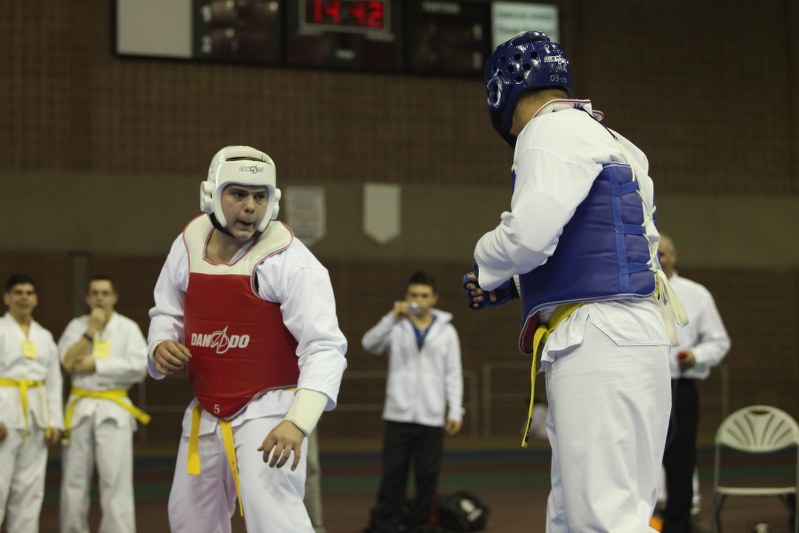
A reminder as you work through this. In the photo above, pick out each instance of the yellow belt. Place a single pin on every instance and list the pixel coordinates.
(23, 385)
(117, 396)
(193, 463)
(540, 337)
(193, 459)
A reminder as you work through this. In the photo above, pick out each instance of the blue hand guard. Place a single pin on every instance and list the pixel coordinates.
(501, 295)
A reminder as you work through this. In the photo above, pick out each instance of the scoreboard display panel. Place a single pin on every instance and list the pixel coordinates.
(355, 16)
(237, 30)
(424, 37)
(348, 34)
(448, 37)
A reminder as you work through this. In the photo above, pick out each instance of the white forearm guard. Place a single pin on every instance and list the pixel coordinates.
(306, 408)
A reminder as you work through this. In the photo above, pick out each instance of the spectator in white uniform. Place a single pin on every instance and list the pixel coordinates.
(30, 406)
(105, 354)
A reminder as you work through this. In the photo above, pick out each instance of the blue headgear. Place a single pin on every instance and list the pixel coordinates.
(528, 62)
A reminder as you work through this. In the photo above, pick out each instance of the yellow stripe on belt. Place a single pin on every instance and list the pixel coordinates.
(540, 337)
(193, 463)
(23, 385)
(193, 459)
(117, 396)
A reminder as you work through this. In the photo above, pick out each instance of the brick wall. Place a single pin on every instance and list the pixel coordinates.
(705, 88)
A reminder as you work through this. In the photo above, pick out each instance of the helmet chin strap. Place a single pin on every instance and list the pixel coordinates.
(218, 225)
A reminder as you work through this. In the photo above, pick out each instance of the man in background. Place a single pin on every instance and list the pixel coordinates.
(30, 406)
(105, 354)
(702, 344)
(424, 395)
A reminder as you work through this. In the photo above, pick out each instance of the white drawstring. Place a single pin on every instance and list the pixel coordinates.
(670, 306)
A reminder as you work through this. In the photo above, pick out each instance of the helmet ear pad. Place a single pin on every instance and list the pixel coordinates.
(206, 197)
(272, 208)
(275, 205)
(207, 202)
(527, 62)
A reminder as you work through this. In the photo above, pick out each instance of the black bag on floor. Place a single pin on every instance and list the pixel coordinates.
(461, 511)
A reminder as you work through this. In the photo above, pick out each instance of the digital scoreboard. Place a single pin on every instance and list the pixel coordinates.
(428, 37)
(237, 30)
(344, 15)
(353, 34)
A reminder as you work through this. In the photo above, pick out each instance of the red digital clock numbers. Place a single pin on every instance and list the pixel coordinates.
(354, 14)
(346, 34)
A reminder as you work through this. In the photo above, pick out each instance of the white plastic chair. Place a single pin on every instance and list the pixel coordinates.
(757, 429)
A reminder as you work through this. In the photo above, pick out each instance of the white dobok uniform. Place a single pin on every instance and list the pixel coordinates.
(100, 429)
(606, 365)
(23, 453)
(272, 497)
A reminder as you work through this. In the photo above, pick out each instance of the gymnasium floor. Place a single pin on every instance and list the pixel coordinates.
(511, 481)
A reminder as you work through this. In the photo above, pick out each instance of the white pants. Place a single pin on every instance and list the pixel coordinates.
(22, 471)
(272, 497)
(607, 420)
(110, 447)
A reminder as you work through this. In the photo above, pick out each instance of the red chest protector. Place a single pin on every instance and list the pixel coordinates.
(239, 344)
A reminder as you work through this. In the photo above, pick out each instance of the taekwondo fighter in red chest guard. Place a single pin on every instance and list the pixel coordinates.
(250, 313)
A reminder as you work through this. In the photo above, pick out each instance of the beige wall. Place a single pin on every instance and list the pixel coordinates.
(142, 214)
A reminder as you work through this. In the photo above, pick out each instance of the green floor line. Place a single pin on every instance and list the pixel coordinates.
(370, 483)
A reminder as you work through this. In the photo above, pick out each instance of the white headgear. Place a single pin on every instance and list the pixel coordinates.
(245, 166)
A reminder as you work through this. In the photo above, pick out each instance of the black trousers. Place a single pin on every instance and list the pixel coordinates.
(405, 444)
(679, 459)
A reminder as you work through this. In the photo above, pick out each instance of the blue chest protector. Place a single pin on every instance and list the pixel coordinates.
(602, 254)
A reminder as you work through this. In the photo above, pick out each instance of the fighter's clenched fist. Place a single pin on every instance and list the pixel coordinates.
(171, 356)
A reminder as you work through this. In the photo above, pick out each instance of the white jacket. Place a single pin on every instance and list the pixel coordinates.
(425, 386)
